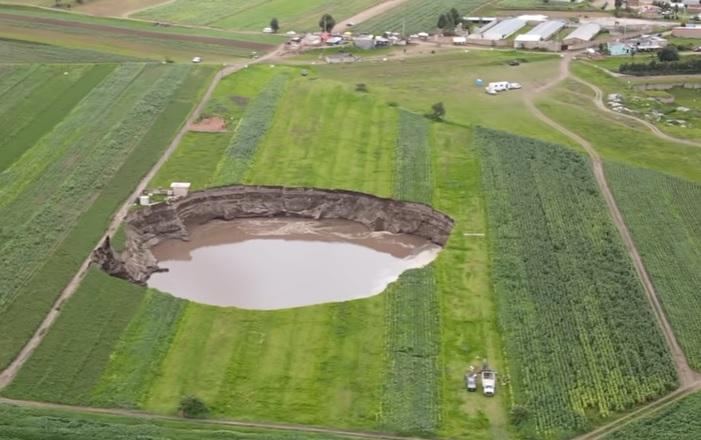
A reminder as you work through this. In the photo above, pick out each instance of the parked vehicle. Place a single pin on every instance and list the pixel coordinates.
(489, 382)
(471, 382)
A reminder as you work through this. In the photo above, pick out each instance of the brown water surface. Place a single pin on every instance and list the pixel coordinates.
(267, 264)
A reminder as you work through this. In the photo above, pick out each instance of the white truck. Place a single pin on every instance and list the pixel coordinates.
(489, 382)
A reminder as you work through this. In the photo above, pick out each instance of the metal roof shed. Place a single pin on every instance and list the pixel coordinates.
(543, 31)
(504, 29)
(585, 32)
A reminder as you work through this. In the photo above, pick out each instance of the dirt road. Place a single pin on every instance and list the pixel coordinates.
(367, 14)
(217, 422)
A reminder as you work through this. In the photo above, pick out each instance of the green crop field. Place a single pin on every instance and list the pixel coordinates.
(678, 421)
(80, 139)
(414, 16)
(300, 15)
(129, 38)
(579, 334)
(662, 212)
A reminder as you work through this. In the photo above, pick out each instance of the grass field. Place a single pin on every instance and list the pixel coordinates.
(129, 38)
(79, 143)
(643, 103)
(679, 421)
(298, 16)
(580, 337)
(416, 16)
(662, 213)
(622, 140)
(40, 424)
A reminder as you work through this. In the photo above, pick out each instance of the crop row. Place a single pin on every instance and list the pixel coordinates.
(18, 51)
(253, 126)
(664, 215)
(70, 359)
(44, 281)
(580, 337)
(416, 16)
(410, 399)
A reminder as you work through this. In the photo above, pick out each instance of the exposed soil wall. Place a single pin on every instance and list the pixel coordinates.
(150, 225)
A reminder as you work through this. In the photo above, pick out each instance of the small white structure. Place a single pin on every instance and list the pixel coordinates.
(197, 60)
(268, 30)
(423, 35)
(459, 41)
(144, 200)
(533, 18)
(180, 189)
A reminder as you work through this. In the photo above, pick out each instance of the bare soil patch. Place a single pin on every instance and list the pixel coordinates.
(209, 125)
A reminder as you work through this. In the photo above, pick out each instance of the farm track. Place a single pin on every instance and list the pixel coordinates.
(690, 380)
(224, 423)
(139, 33)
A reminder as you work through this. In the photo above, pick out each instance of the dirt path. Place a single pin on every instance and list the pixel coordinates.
(119, 8)
(687, 376)
(367, 14)
(645, 411)
(599, 102)
(11, 371)
(220, 422)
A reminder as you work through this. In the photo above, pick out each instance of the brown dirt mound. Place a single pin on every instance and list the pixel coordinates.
(209, 125)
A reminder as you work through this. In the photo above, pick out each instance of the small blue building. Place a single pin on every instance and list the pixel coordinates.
(619, 48)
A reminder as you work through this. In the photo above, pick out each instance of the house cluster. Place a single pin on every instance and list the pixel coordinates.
(361, 41)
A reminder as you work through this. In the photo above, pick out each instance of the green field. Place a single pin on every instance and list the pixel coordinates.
(415, 16)
(46, 424)
(18, 51)
(662, 213)
(580, 337)
(678, 421)
(301, 15)
(75, 147)
(642, 102)
(129, 38)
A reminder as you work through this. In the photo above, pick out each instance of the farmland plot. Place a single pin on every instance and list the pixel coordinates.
(678, 421)
(57, 197)
(580, 338)
(664, 216)
(17, 51)
(416, 16)
(298, 16)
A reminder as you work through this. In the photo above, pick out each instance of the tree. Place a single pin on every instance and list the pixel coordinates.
(193, 407)
(438, 111)
(669, 53)
(455, 16)
(327, 23)
(274, 25)
(617, 4)
(442, 22)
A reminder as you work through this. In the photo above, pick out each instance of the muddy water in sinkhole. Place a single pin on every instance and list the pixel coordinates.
(267, 264)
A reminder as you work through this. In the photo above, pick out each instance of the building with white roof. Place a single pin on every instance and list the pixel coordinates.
(503, 29)
(585, 32)
(542, 32)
